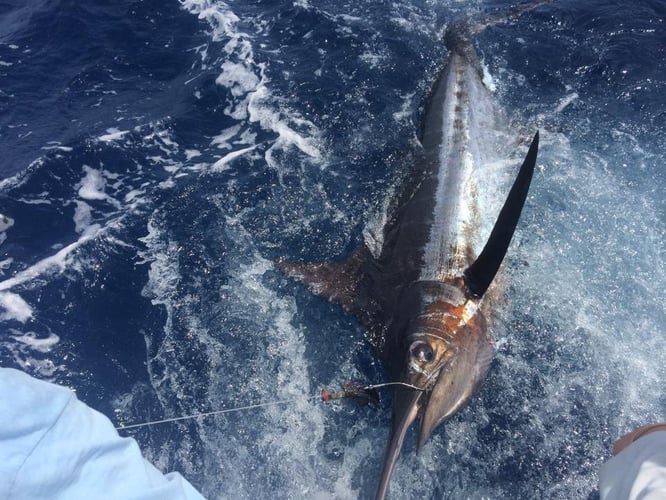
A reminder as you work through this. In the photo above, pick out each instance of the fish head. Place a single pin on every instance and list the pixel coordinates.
(443, 365)
(452, 377)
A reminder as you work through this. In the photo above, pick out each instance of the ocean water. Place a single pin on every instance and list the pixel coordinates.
(157, 156)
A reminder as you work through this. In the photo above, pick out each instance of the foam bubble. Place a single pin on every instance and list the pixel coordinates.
(113, 134)
(5, 264)
(92, 185)
(192, 153)
(238, 78)
(406, 110)
(218, 14)
(223, 139)
(14, 307)
(223, 162)
(82, 216)
(373, 59)
(5, 223)
(30, 339)
(566, 101)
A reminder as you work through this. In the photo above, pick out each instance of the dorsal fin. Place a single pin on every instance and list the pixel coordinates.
(481, 272)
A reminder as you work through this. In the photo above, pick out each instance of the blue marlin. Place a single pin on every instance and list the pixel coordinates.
(427, 293)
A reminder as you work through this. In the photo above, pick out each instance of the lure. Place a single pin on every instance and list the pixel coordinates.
(360, 393)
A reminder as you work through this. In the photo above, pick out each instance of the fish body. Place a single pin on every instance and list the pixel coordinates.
(426, 294)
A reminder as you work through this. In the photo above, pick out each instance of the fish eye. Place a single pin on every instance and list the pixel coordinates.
(422, 351)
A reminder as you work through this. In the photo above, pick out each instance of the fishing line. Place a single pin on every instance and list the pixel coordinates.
(403, 384)
(251, 407)
(218, 412)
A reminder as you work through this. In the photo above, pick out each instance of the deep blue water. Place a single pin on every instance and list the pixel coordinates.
(157, 155)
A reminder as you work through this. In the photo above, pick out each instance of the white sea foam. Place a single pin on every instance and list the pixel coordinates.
(14, 307)
(5, 264)
(406, 110)
(82, 216)
(373, 59)
(192, 153)
(587, 291)
(238, 78)
(31, 351)
(566, 101)
(57, 147)
(103, 199)
(290, 432)
(93, 188)
(113, 134)
(134, 195)
(53, 264)
(247, 81)
(223, 139)
(30, 339)
(5, 223)
(258, 316)
(39, 200)
(92, 185)
(222, 163)
(219, 16)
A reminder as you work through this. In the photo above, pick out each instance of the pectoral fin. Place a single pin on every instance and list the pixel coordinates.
(338, 282)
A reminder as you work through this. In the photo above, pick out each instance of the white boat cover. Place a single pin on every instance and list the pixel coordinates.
(54, 446)
(637, 472)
